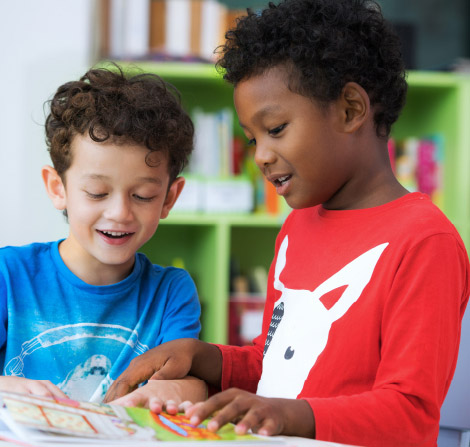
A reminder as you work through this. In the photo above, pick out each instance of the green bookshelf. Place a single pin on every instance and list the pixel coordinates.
(436, 103)
(205, 243)
(439, 103)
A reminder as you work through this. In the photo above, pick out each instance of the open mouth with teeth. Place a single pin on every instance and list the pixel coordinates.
(114, 234)
(281, 180)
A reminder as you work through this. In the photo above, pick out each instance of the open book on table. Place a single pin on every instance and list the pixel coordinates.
(53, 422)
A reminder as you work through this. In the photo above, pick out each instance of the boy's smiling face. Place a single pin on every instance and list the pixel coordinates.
(300, 147)
(114, 202)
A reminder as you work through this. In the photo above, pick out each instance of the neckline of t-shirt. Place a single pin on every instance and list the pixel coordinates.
(75, 281)
(365, 212)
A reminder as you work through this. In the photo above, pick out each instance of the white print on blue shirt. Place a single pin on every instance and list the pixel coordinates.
(89, 380)
(300, 324)
(81, 337)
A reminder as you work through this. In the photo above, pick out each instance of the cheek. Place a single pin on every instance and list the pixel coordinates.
(82, 210)
(151, 217)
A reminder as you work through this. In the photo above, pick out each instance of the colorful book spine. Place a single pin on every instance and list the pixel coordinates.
(418, 164)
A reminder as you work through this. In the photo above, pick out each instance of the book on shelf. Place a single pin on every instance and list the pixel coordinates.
(418, 164)
(178, 28)
(128, 28)
(246, 304)
(245, 318)
(215, 182)
(213, 148)
(230, 194)
(40, 421)
(185, 27)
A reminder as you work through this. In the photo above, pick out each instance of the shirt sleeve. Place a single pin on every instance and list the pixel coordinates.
(420, 335)
(241, 366)
(183, 310)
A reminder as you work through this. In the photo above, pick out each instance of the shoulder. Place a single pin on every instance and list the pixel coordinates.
(17, 255)
(419, 219)
(155, 272)
(403, 223)
(413, 213)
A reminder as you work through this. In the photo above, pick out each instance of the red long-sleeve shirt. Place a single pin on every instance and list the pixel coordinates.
(362, 319)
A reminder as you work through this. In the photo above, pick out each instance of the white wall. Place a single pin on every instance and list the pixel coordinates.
(43, 43)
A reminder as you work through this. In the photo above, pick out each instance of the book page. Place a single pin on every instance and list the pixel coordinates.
(39, 419)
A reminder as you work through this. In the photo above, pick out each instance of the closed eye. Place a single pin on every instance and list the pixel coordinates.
(143, 199)
(277, 130)
(96, 196)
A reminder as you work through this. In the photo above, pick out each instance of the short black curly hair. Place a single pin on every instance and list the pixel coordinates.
(324, 44)
(109, 104)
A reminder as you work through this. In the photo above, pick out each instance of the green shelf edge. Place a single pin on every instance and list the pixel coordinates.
(207, 71)
(435, 79)
(244, 220)
(174, 70)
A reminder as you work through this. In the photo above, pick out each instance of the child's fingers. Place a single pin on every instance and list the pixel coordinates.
(192, 409)
(134, 399)
(58, 393)
(257, 420)
(128, 382)
(223, 404)
(269, 428)
(229, 413)
(184, 406)
(45, 388)
(171, 407)
(155, 404)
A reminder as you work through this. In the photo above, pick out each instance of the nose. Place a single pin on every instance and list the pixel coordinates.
(119, 209)
(264, 156)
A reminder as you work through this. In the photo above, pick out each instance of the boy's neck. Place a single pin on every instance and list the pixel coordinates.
(382, 190)
(374, 182)
(90, 269)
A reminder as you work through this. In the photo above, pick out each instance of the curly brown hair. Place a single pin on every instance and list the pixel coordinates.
(324, 44)
(109, 104)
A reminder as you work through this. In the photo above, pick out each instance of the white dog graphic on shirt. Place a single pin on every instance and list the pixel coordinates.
(301, 323)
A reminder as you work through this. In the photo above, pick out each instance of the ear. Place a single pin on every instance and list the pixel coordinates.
(54, 187)
(173, 193)
(354, 104)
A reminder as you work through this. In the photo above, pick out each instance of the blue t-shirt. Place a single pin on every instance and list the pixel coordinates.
(81, 337)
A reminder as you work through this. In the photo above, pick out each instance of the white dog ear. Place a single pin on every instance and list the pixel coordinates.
(55, 187)
(280, 264)
(355, 275)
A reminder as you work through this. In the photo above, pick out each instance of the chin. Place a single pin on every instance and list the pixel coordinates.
(113, 261)
(298, 205)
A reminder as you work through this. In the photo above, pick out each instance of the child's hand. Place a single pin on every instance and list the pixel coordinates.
(263, 415)
(169, 395)
(43, 388)
(172, 360)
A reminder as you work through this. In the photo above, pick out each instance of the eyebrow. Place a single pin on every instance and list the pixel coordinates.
(270, 108)
(139, 179)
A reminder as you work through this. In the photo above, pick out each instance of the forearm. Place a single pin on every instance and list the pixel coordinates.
(207, 363)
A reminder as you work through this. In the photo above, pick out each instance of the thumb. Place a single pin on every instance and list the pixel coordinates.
(127, 382)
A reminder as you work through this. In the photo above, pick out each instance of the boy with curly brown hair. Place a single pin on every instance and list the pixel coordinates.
(369, 282)
(74, 312)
